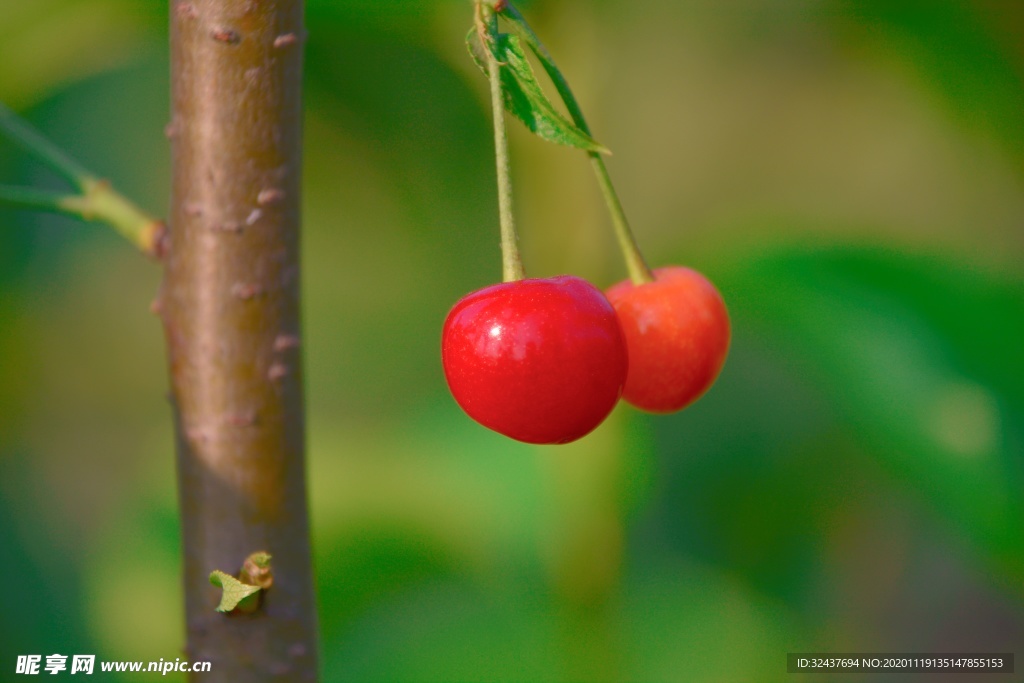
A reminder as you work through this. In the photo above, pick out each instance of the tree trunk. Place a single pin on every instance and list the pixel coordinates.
(230, 306)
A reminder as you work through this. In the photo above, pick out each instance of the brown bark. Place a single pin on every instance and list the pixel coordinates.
(230, 305)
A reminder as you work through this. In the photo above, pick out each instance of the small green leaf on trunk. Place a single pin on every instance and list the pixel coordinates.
(236, 595)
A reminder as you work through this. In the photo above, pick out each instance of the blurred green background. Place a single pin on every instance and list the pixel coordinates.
(850, 173)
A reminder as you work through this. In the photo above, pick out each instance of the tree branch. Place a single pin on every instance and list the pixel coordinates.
(230, 305)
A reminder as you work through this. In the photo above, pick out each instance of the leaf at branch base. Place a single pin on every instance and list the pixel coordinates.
(523, 95)
(234, 590)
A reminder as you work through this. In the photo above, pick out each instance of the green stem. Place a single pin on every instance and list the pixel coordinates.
(512, 265)
(97, 200)
(32, 141)
(99, 203)
(639, 272)
(38, 200)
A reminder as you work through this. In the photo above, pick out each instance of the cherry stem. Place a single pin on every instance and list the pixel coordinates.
(639, 271)
(512, 265)
(96, 199)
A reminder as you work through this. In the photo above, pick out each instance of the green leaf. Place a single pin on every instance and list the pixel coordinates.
(921, 357)
(959, 51)
(523, 95)
(234, 590)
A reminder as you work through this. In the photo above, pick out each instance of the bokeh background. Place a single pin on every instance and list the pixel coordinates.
(850, 173)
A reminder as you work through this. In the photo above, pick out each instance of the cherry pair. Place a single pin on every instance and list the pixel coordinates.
(545, 360)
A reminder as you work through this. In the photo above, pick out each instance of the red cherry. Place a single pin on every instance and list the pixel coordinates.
(677, 334)
(540, 360)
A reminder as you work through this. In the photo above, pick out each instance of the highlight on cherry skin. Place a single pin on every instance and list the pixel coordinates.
(539, 360)
(677, 334)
